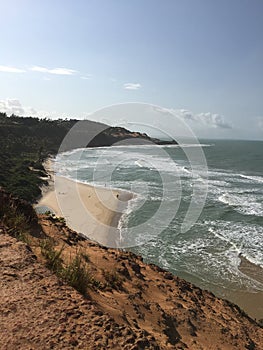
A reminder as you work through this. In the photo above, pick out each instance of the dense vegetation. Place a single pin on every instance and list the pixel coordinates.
(25, 142)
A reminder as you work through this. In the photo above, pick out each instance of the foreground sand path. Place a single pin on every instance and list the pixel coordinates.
(38, 311)
(151, 309)
(128, 304)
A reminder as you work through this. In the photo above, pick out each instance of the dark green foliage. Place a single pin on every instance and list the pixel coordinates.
(24, 144)
(16, 222)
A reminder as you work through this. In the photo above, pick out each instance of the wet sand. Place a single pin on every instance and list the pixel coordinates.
(252, 270)
(251, 302)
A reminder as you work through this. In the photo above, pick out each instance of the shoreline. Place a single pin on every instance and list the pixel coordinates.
(249, 301)
(104, 228)
(250, 269)
(89, 210)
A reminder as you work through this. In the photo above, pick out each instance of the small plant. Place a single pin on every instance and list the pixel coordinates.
(24, 237)
(61, 220)
(17, 224)
(52, 256)
(77, 274)
(96, 284)
(54, 218)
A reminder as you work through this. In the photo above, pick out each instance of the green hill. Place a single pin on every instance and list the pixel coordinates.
(25, 142)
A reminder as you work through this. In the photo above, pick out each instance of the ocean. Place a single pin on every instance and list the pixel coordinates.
(231, 214)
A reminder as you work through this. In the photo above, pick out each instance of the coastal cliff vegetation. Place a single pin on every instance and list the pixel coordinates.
(25, 142)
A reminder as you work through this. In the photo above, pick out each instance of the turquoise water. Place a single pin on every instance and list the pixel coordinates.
(230, 223)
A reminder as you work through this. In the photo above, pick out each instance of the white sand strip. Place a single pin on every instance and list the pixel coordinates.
(89, 210)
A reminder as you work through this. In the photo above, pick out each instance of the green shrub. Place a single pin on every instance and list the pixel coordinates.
(77, 274)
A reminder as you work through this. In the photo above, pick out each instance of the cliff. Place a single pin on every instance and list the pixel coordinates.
(113, 135)
(60, 291)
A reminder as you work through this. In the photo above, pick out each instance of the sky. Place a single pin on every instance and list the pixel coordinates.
(201, 60)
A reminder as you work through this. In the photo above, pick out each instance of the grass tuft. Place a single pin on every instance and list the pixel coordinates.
(52, 256)
(16, 223)
(77, 275)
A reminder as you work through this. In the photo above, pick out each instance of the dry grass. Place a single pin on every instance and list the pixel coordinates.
(76, 272)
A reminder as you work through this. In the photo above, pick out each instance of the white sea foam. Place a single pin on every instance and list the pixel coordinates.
(215, 256)
(211, 254)
(132, 205)
(71, 152)
(244, 238)
(151, 145)
(245, 204)
(253, 178)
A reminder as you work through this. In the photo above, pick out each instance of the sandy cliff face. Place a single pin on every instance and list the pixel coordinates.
(118, 135)
(127, 305)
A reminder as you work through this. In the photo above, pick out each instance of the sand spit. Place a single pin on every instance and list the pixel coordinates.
(92, 211)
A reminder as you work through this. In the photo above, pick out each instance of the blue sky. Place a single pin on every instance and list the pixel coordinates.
(202, 59)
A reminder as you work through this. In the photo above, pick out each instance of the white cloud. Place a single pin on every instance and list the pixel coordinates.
(14, 106)
(39, 69)
(132, 86)
(9, 69)
(206, 118)
(62, 71)
(57, 71)
(11, 106)
(186, 114)
(182, 113)
(214, 120)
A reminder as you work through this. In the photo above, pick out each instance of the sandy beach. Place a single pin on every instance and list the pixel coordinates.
(95, 213)
(91, 211)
